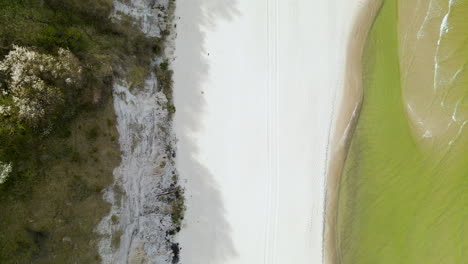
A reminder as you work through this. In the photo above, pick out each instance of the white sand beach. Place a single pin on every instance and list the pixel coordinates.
(256, 84)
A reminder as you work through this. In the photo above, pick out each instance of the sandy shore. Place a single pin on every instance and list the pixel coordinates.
(256, 83)
(350, 98)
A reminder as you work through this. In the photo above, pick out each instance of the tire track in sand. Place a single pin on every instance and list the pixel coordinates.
(272, 112)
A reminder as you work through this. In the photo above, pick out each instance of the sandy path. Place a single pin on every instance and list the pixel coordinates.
(255, 85)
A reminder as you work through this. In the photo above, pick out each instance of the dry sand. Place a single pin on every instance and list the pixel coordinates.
(255, 87)
(344, 122)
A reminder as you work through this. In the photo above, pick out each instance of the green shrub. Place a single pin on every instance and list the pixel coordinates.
(72, 38)
(93, 133)
(95, 10)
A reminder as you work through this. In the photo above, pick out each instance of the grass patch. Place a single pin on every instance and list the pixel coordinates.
(178, 208)
(60, 193)
(165, 82)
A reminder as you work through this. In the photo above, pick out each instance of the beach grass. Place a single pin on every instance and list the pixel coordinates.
(399, 202)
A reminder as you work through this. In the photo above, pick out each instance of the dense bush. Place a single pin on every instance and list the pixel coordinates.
(35, 84)
(5, 170)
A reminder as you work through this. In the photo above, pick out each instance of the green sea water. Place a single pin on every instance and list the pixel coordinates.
(398, 202)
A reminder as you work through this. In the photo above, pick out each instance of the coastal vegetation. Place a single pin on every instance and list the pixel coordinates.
(54, 32)
(401, 201)
(58, 137)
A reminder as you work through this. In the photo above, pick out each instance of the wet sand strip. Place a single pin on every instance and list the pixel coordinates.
(345, 122)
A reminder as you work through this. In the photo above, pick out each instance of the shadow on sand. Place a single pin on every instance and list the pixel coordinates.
(206, 235)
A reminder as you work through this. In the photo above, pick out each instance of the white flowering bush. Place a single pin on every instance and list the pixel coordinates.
(5, 170)
(35, 82)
